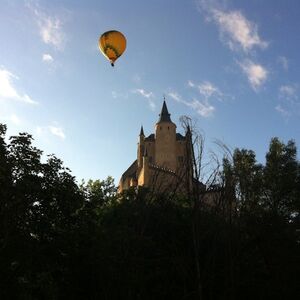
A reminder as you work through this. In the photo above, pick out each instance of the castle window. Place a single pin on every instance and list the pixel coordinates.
(168, 127)
(160, 128)
(150, 159)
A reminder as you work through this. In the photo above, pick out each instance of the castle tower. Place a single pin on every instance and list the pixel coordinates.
(165, 140)
(161, 157)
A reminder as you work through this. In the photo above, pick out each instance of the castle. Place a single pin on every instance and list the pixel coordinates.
(162, 158)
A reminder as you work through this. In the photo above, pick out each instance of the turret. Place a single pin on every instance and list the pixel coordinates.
(141, 148)
(145, 169)
(142, 132)
(164, 116)
(165, 140)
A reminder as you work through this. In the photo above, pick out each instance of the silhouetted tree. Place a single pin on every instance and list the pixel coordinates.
(61, 240)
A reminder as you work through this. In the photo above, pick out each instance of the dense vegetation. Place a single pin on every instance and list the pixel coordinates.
(61, 240)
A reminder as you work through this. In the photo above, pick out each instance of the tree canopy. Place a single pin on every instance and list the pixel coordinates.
(64, 240)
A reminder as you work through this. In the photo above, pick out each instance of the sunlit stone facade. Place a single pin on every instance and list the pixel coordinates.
(162, 158)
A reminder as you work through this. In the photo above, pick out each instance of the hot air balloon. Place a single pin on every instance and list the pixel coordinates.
(112, 44)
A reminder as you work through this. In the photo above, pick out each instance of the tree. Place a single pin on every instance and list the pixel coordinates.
(281, 178)
(59, 240)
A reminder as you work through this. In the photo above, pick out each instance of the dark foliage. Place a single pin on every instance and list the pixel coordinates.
(61, 240)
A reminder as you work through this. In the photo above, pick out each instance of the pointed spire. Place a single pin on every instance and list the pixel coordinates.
(164, 116)
(142, 131)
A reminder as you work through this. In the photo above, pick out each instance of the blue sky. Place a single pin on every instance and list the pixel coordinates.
(233, 66)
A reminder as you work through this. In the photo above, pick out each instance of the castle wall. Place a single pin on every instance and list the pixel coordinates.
(165, 145)
(150, 146)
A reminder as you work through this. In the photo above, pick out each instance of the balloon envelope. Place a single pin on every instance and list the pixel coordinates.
(112, 44)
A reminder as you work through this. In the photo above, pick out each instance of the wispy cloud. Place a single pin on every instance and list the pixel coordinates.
(235, 29)
(256, 73)
(284, 62)
(176, 97)
(143, 93)
(203, 108)
(117, 95)
(289, 100)
(208, 90)
(51, 129)
(57, 131)
(47, 58)
(50, 27)
(8, 90)
(148, 95)
(241, 35)
(191, 83)
(288, 91)
(285, 113)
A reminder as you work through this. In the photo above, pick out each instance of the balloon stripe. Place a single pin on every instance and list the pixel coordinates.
(108, 46)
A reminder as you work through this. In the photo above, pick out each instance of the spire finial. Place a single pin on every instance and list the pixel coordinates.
(142, 131)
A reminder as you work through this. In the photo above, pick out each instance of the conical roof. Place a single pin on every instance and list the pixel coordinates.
(164, 116)
(142, 131)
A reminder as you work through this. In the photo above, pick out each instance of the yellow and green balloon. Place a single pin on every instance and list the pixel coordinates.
(112, 44)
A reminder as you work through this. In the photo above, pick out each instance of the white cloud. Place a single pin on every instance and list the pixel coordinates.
(203, 108)
(176, 97)
(256, 73)
(116, 95)
(50, 27)
(207, 89)
(282, 111)
(235, 29)
(51, 129)
(47, 58)
(191, 83)
(288, 91)
(289, 100)
(284, 62)
(238, 31)
(28, 100)
(8, 91)
(57, 131)
(148, 95)
(143, 93)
